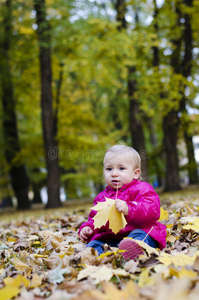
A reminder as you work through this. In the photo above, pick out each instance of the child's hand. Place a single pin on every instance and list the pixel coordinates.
(122, 206)
(85, 233)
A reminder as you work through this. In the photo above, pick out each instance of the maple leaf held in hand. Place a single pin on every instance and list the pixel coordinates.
(107, 211)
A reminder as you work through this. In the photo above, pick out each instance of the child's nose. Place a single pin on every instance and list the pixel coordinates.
(115, 173)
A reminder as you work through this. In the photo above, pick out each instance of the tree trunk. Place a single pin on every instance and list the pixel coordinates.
(50, 144)
(150, 123)
(186, 71)
(136, 128)
(37, 195)
(156, 59)
(171, 125)
(120, 7)
(58, 92)
(170, 129)
(156, 155)
(18, 173)
(192, 165)
(114, 111)
(135, 124)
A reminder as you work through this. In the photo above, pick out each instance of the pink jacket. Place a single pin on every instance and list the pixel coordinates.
(144, 211)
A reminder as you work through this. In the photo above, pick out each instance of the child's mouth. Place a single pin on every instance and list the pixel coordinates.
(115, 181)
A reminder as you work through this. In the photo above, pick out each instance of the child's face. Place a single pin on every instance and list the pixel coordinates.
(118, 170)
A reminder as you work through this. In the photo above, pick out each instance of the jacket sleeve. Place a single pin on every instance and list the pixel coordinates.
(144, 207)
(92, 213)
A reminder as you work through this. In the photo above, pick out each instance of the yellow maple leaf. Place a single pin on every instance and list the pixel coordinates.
(107, 211)
(16, 281)
(12, 286)
(145, 278)
(191, 227)
(147, 248)
(183, 273)
(178, 260)
(8, 292)
(163, 214)
(193, 223)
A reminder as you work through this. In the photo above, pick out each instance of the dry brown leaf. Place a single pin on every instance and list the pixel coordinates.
(56, 239)
(76, 286)
(131, 266)
(36, 281)
(48, 242)
(87, 256)
(100, 273)
(20, 266)
(196, 264)
(110, 292)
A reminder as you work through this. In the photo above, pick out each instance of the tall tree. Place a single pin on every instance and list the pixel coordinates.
(50, 143)
(171, 121)
(181, 61)
(186, 72)
(135, 123)
(18, 173)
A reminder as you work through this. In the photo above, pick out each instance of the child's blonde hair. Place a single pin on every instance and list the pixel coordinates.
(129, 153)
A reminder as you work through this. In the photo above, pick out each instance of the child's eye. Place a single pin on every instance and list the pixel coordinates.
(122, 168)
(108, 169)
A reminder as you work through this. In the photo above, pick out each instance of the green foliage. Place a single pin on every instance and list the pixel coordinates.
(93, 101)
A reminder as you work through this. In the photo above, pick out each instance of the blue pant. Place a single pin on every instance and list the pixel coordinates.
(137, 234)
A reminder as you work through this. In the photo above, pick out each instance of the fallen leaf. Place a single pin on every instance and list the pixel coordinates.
(8, 292)
(102, 273)
(178, 259)
(145, 279)
(196, 264)
(3, 247)
(36, 281)
(131, 266)
(187, 273)
(110, 291)
(163, 270)
(56, 239)
(150, 250)
(20, 266)
(191, 227)
(56, 275)
(87, 256)
(171, 238)
(163, 214)
(77, 287)
(17, 281)
(177, 289)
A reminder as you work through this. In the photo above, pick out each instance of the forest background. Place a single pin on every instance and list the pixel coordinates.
(79, 76)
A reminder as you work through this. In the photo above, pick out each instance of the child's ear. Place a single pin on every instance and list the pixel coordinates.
(136, 173)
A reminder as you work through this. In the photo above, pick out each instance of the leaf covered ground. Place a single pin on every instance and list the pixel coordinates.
(43, 258)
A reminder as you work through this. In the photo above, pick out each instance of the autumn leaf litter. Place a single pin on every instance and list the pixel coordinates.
(43, 258)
